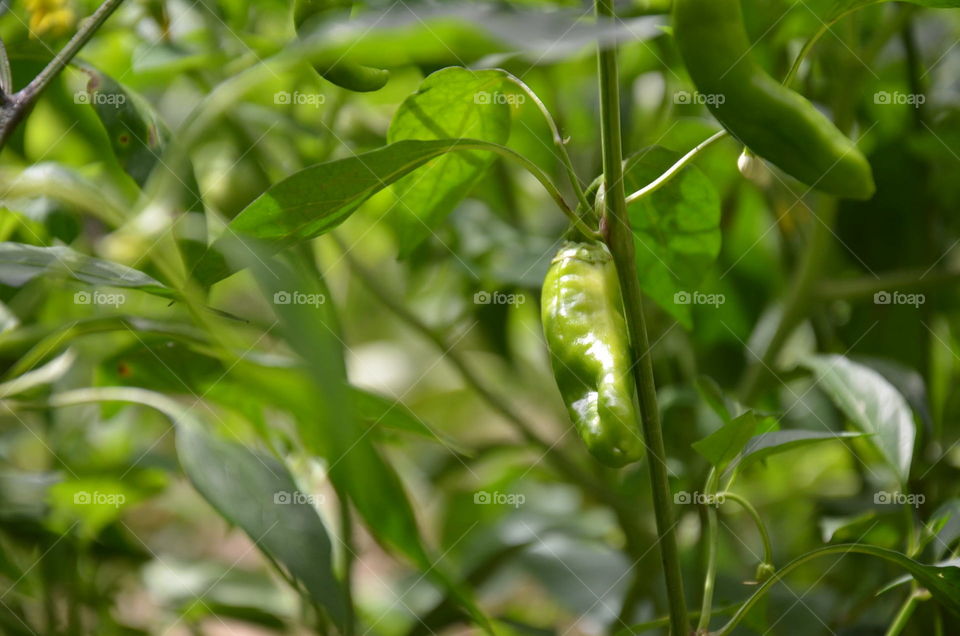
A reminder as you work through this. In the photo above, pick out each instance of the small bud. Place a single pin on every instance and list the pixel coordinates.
(753, 168)
(764, 571)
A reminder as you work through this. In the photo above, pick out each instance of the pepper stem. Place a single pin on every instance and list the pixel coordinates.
(619, 238)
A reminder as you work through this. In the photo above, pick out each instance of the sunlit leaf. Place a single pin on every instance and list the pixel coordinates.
(450, 104)
(872, 404)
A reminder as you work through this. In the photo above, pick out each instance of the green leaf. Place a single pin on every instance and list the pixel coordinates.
(258, 494)
(770, 443)
(21, 263)
(137, 135)
(872, 404)
(947, 517)
(724, 444)
(328, 424)
(317, 199)
(676, 229)
(387, 414)
(450, 104)
(247, 488)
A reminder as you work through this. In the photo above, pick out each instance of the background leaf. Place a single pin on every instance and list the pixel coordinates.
(871, 403)
(676, 229)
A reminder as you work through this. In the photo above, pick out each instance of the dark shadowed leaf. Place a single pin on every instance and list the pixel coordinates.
(257, 493)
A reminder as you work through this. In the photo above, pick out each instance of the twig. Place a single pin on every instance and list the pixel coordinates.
(16, 105)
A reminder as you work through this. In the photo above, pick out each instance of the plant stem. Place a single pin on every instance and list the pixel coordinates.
(906, 610)
(672, 171)
(710, 576)
(349, 555)
(795, 306)
(13, 110)
(619, 238)
(557, 139)
(854, 288)
(844, 548)
(764, 536)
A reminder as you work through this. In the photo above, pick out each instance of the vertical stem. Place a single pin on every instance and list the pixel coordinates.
(619, 238)
(349, 555)
(713, 540)
(906, 610)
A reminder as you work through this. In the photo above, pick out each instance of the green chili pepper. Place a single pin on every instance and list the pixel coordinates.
(773, 121)
(307, 14)
(582, 315)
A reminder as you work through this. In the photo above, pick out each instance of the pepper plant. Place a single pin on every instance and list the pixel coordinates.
(530, 317)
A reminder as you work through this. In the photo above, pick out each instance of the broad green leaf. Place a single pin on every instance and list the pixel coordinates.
(138, 135)
(676, 230)
(384, 413)
(872, 404)
(258, 494)
(724, 444)
(770, 443)
(453, 103)
(317, 199)
(21, 263)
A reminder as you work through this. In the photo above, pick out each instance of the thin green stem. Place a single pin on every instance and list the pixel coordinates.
(673, 170)
(710, 577)
(906, 610)
(349, 556)
(619, 238)
(558, 139)
(712, 541)
(841, 548)
(802, 55)
(761, 527)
